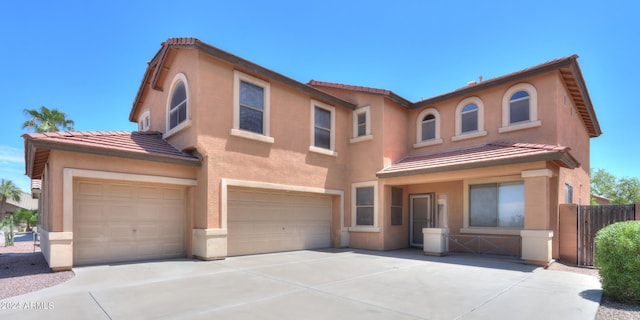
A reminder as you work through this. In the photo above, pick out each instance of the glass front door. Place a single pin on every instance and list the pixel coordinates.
(421, 212)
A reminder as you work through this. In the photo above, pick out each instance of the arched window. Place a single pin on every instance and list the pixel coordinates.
(428, 128)
(520, 108)
(469, 119)
(178, 104)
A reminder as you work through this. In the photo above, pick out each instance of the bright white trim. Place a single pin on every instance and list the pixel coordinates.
(226, 183)
(537, 173)
(376, 205)
(251, 135)
(427, 143)
(437, 139)
(266, 114)
(323, 151)
(458, 125)
(68, 174)
(367, 111)
(361, 138)
(520, 126)
(332, 142)
(180, 77)
(533, 108)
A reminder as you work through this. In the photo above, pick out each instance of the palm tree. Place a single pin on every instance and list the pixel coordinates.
(30, 217)
(47, 120)
(8, 190)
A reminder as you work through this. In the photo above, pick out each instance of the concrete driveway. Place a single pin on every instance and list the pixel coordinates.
(325, 284)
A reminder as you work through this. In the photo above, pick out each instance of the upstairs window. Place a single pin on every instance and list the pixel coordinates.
(145, 121)
(361, 124)
(519, 107)
(427, 128)
(178, 106)
(469, 118)
(251, 105)
(323, 123)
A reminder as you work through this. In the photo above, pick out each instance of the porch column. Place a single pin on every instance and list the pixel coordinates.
(537, 234)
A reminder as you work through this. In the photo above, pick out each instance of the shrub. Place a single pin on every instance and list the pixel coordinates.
(618, 259)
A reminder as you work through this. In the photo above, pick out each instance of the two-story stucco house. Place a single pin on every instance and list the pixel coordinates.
(232, 158)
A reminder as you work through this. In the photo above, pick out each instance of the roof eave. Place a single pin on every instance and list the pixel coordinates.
(575, 69)
(497, 81)
(562, 158)
(51, 145)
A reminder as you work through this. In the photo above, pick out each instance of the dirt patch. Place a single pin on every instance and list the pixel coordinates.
(23, 269)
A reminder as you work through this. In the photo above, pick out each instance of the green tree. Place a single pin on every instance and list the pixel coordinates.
(619, 190)
(47, 120)
(8, 190)
(30, 217)
(8, 236)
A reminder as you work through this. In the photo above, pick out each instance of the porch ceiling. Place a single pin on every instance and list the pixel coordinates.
(482, 156)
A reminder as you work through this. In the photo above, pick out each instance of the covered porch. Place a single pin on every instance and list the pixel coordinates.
(494, 199)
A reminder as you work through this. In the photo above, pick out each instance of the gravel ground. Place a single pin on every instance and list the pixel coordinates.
(22, 271)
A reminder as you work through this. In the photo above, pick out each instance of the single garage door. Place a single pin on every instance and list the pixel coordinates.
(262, 221)
(115, 222)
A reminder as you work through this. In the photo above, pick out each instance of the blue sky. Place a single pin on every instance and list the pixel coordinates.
(87, 58)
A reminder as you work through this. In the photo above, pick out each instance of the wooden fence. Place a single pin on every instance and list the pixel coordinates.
(593, 218)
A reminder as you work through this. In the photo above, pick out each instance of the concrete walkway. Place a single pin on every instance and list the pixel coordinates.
(331, 284)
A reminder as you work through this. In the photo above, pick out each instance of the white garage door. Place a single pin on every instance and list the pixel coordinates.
(261, 222)
(115, 222)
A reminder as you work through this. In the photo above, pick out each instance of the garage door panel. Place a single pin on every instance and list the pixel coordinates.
(115, 222)
(261, 221)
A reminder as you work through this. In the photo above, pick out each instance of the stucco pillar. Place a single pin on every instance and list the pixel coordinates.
(209, 244)
(537, 236)
(57, 249)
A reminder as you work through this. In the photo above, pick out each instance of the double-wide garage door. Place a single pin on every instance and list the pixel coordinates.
(116, 221)
(262, 221)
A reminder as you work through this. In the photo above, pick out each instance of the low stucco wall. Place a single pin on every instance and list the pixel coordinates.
(568, 233)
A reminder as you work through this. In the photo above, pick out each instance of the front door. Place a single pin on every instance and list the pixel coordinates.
(421, 212)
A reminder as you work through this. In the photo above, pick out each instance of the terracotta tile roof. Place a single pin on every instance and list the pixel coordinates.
(136, 145)
(488, 155)
(383, 92)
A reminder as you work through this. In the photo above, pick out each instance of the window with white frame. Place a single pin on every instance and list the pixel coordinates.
(178, 106)
(361, 124)
(428, 128)
(364, 205)
(145, 121)
(568, 193)
(323, 123)
(499, 205)
(520, 108)
(469, 119)
(251, 107)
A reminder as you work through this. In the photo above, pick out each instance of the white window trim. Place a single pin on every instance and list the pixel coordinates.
(146, 115)
(367, 136)
(481, 132)
(533, 109)
(236, 131)
(180, 77)
(465, 200)
(365, 228)
(332, 143)
(437, 140)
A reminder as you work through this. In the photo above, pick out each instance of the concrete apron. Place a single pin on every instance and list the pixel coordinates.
(324, 284)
